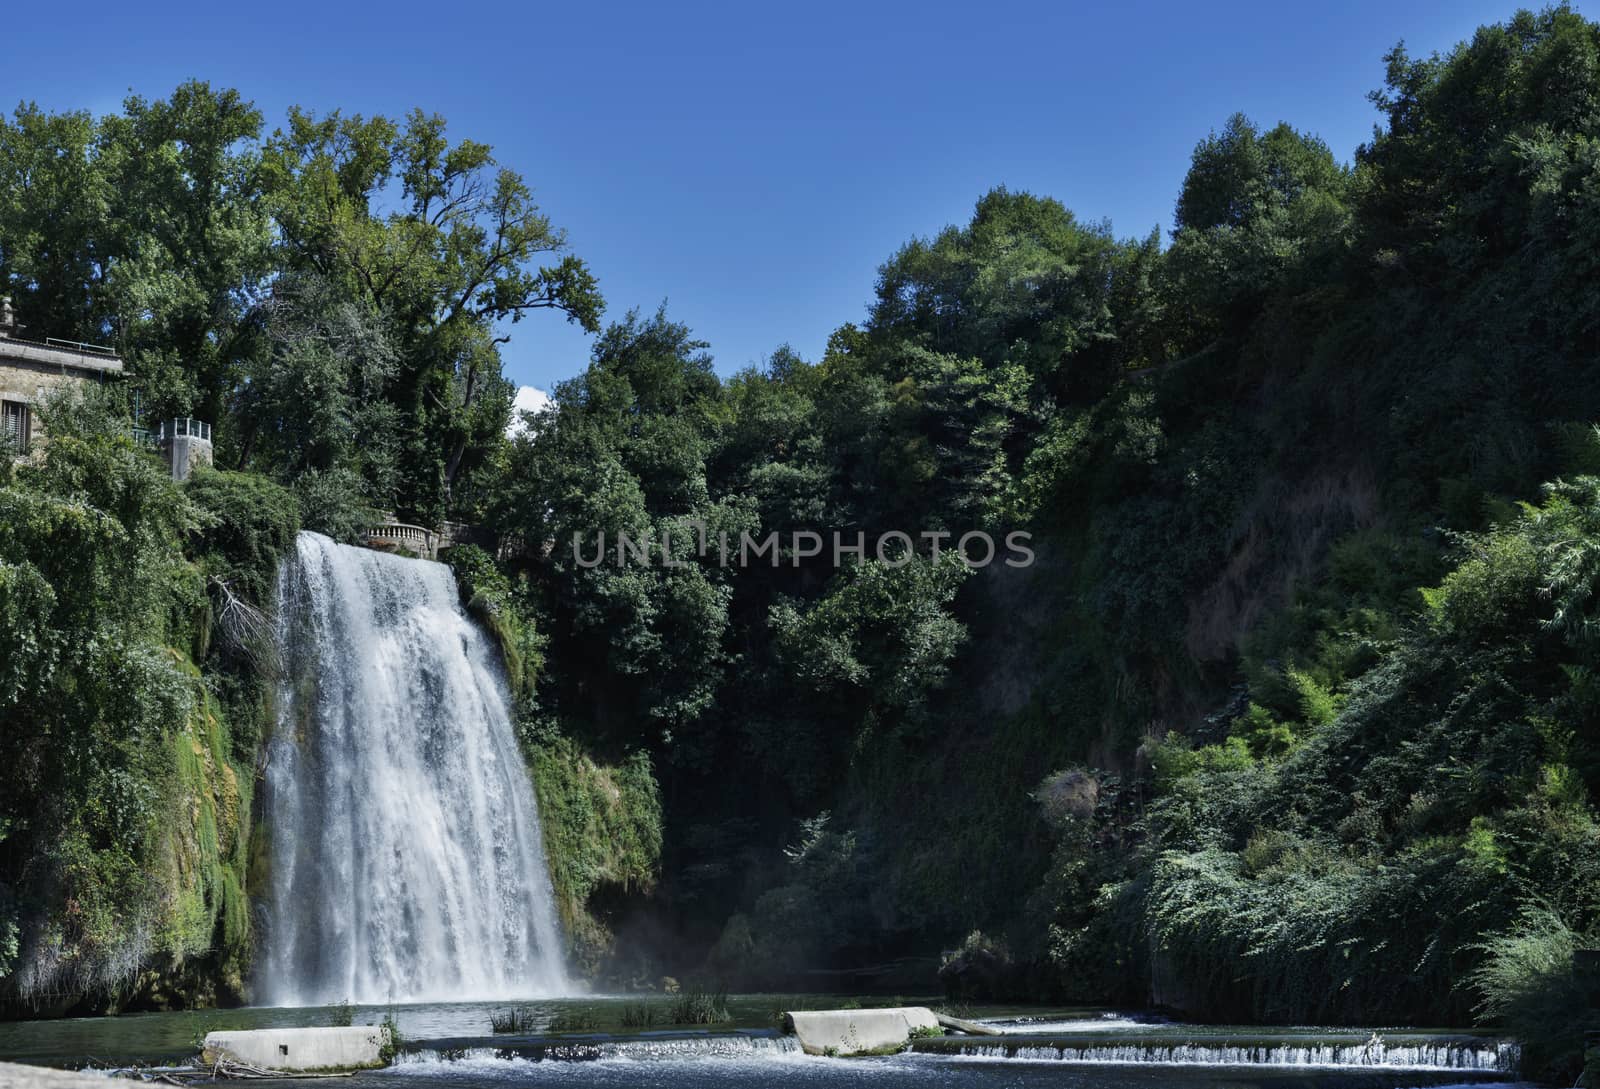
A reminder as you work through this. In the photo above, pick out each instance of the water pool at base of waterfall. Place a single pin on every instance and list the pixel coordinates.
(451, 1046)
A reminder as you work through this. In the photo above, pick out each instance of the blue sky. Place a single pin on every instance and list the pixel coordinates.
(753, 164)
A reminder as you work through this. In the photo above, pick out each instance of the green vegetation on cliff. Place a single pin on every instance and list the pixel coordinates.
(125, 816)
(602, 833)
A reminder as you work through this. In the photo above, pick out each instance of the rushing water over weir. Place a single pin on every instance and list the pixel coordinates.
(1399, 1051)
(406, 857)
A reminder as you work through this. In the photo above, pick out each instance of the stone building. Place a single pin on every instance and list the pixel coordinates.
(30, 372)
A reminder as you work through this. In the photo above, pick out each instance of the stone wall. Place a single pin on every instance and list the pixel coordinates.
(186, 453)
(32, 381)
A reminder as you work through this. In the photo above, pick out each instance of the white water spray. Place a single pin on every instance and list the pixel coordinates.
(406, 857)
(1444, 1053)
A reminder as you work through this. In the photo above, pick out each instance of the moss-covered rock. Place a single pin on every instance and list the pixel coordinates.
(602, 836)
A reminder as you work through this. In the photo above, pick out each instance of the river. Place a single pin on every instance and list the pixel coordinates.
(451, 1046)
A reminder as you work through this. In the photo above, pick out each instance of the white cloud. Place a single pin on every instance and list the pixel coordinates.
(528, 399)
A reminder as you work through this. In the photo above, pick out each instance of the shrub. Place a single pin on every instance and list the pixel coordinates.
(1068, 795)
(980, 970)
(251, 523)
(1529, 986)
(335, 503)
(393, 1040)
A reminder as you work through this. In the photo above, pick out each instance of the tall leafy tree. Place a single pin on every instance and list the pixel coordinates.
(1259, 212)
(191, 239)
(1024, 283)
(54, 206)
(449, 246)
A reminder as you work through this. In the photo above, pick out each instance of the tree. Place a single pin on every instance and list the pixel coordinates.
(1256, 210)
(313, 395)
(190, 239)
(53, 209)
(878, 643)
(623, 454)
(143, 230)
(447, 245)
(1024, 283)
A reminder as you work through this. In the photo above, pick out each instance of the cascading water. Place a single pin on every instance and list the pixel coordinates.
(406, 856)
(1406, 1051)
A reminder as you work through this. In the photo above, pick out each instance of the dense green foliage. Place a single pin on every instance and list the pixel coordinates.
(1294, 787)
(1417, 841)
(1292, 718)
(328, 294)
(602, 832)
(125, 815)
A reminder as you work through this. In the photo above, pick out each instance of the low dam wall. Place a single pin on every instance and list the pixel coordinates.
(858, 1032)
(299, 1049)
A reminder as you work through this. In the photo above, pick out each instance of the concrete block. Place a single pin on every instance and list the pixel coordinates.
(858, 1032)
(297, 1049)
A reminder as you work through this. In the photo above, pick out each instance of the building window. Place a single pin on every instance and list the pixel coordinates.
(14, 430)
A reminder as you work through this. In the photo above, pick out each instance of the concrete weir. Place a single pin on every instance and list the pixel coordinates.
(294, 1050)
(858, 1032)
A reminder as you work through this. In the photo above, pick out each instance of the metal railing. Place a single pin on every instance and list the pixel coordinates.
(185, 428)
(80, 346)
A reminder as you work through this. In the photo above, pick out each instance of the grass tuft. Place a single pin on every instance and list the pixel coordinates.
(700, 1007)
(515, 1019)
(575, 1021)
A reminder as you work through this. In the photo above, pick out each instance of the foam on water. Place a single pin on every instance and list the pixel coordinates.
(711, 1062)
(1493, 1056)
(643, 1048)
(1105, 1022)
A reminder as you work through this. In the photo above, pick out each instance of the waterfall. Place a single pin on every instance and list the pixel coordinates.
(406, 861)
